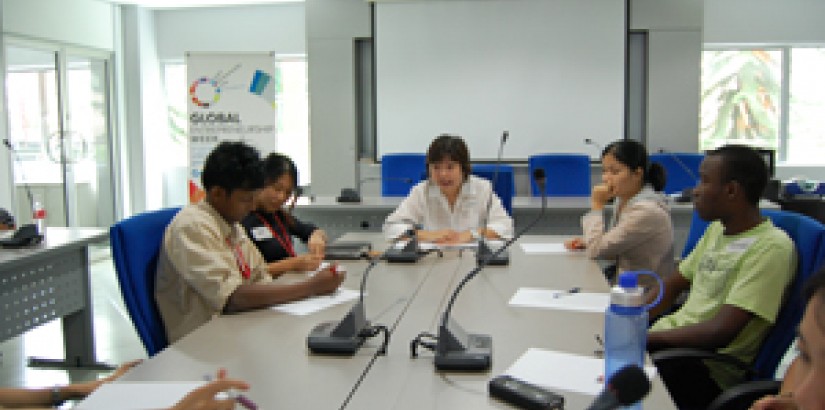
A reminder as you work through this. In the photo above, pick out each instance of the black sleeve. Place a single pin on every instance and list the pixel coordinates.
(302, 230)
(270, 248)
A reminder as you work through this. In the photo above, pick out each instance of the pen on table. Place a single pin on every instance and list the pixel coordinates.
(237, 396)
(567, 292)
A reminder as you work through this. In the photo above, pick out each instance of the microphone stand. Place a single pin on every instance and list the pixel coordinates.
(346, 336)
(483, 253)
(411, 252)
(687, 194)
(455, 349)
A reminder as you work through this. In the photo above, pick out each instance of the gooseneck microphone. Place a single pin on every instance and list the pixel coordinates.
(598, 146)
(410, 252)
(349, 195)
(627, 386)
(483, 252)
(346, 336)
(454, 348)
(687, 194)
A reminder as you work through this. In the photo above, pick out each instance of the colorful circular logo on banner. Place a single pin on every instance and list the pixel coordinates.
(200, 94)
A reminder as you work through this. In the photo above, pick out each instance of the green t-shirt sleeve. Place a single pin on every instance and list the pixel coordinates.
(690, 264)
(763, 275)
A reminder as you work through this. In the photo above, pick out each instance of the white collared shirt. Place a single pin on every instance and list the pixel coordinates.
(427, 205)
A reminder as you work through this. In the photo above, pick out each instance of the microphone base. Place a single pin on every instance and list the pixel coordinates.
(402, 256)
(484, 255)
(478, 356)
(322, 341)
(502, 259)
(462, 351)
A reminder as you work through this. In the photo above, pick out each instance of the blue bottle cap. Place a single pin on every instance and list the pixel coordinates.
(628, 280)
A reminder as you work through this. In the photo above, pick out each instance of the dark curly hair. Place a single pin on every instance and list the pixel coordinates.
(233, 165)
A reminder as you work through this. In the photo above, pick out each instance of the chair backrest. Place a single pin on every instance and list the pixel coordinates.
(400, 172)
(505, 184)
(809, 237)
(682, 169)
(136, 243)
(567, 174)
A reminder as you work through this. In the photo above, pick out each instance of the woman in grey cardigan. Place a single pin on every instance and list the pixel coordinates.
(640, 233)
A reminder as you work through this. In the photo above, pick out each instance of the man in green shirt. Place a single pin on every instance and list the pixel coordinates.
(737, 275)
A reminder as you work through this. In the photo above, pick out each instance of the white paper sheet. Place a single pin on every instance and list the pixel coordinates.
(562, 371)
(560, 299)
(543, 248)
(137, 395)
(317, 303)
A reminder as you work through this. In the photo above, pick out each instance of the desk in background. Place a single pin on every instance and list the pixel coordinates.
(562, 218)
(50, 281)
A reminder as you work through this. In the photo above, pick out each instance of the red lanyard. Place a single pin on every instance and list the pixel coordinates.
(285, 241)
(246, 272)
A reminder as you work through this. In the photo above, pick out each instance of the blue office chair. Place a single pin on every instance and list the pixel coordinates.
(567, 174)
(697, 229)
(682, 169)
(400, 172)
(808, 236)
(505, 184)
(136, 244)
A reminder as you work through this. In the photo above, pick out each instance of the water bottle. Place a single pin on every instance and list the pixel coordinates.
(39, 217)
(625, 325)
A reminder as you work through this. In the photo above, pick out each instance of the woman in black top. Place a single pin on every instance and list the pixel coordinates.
(271, 226)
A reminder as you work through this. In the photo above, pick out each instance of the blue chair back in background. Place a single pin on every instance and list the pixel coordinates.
(808, 236)
(136, 243)
(567, 174)
(399, 166)
(682, 169)
(505, 184)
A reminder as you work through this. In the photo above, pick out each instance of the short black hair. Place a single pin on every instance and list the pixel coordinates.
(633, 155)
(450, 147)
(233, 165)
(744, 165)
(277, 165)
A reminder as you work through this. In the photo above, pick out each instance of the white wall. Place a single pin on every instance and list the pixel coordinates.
(332, 27)
(674, 61)
(6, 189)
(764, 22)
(87, 23)
(279, 28)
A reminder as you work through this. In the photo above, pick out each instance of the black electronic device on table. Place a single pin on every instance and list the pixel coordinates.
(347, 250)
(24, 236)
(524, 395)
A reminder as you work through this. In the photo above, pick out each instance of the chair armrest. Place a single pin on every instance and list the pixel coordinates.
(742, 396)
(666, 355)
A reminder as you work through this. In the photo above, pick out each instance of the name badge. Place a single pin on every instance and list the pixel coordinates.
(740, 245)
(260, 233)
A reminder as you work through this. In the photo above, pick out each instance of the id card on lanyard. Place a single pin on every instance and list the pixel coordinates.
(243, 266)
(282, 237)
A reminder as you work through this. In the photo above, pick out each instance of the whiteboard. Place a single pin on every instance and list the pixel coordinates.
(550, 72)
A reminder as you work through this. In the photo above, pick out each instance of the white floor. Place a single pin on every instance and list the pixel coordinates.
(115, 339)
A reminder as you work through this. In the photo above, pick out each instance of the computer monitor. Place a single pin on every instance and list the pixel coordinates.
(769, 156)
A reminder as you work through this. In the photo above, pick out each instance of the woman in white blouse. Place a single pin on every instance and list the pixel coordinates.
(451, 205)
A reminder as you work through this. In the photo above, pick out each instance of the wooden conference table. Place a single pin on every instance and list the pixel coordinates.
(268, 348)
(48, 281)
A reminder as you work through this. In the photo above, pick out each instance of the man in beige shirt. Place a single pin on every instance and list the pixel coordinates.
(207, 264)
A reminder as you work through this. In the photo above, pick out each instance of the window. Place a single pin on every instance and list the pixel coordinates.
(292, 102)
(765, 97)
